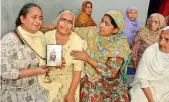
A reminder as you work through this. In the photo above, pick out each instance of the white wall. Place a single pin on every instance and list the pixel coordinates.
(51, 8)
(102, 6)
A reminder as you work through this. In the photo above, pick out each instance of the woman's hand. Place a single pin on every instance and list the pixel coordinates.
(48, 27)
(80, 55)
(62, 64)
(41, 70)
(33, 71)
(69, 98)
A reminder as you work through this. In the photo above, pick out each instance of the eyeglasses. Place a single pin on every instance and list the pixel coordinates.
(155, 22)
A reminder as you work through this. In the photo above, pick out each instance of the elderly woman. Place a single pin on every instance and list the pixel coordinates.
(106, 60)
(64, 85)
(84, 18)
(132, 25)
(21, 58)
(152, 77)
(147, 36)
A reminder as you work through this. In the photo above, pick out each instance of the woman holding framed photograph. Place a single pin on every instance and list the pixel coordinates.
(64, 84)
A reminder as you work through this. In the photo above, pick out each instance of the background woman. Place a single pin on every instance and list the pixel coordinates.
(132, 25)
(84, 18)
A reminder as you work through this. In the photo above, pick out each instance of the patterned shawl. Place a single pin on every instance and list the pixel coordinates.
(100, 48)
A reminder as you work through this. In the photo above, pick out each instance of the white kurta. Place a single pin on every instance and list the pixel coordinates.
(153, 72)
(158, 89)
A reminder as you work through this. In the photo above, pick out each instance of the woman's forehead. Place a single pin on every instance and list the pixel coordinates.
(133, 10)
(67, 15)
(154, 18)
(35, 10)
(106, 18)
(88, 4)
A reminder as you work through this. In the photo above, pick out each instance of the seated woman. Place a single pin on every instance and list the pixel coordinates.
(147, 36)
(84, 18)
(106, 58)
(152, 77)
(64, 86)
(132, 25)
(22, 58)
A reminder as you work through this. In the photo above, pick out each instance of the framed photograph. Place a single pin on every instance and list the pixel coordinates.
(54, 55)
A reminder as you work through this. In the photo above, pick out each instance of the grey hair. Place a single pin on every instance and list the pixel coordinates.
(161, 19)
(65, 11)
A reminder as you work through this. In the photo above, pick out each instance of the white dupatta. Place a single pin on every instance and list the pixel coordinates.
(154, 65)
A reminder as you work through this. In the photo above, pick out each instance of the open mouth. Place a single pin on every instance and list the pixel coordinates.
(101, 31)
(36, 26)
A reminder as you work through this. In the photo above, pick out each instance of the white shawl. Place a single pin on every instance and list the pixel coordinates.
(154, 64)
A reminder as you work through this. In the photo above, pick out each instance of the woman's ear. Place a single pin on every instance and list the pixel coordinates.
(22, 18)
(115, 30)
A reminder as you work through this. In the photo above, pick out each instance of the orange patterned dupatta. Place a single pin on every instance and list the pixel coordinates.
(84, 20)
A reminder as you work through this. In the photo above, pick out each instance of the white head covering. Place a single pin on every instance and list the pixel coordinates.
(165, 28)
(154, 64)
(65, 11)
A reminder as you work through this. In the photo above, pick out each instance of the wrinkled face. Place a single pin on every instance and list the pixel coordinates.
(88, 9)
(132, 15)
(153, 23)
(106, 28)
(164, 41)
(32, 21)
(65, 23)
